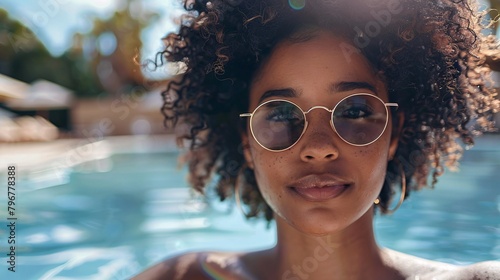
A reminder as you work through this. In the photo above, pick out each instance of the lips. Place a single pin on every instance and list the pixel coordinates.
(318, 188)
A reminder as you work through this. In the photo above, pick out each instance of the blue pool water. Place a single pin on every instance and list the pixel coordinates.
(112, 216)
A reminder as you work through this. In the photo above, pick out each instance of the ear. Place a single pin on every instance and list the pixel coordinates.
(246, 150)
(396, 132)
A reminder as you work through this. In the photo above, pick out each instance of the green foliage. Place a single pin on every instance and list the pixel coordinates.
(24, 57)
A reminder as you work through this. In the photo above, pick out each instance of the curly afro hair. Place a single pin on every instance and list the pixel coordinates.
(431, 54)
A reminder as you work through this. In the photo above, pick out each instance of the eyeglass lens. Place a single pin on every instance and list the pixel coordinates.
(358, 120)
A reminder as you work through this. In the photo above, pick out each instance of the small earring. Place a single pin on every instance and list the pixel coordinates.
(403, 192)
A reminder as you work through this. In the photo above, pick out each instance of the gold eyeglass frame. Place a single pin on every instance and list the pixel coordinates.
(386, 104)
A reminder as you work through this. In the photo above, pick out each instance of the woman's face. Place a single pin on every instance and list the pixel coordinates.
(318, 72)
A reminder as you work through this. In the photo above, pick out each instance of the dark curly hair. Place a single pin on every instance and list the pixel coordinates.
(431, 54)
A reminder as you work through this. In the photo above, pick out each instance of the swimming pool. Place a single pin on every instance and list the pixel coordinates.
(125, 205)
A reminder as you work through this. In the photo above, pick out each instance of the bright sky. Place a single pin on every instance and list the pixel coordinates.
(54, 21)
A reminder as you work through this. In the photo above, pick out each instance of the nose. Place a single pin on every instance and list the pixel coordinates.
(318, 144)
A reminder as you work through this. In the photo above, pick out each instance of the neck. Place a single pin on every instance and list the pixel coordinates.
(351, 253)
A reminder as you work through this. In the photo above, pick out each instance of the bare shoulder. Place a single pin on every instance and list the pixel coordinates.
(488, 270)
(412, 267)
(194, 266)
(177, 267)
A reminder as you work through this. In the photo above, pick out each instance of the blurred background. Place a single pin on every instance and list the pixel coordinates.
(99, 191)
(75, 63)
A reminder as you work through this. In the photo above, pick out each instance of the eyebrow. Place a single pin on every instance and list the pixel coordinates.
(286, 92)
(348, 86)
(335, 87)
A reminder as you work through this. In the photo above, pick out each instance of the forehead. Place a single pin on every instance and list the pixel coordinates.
(315, 63)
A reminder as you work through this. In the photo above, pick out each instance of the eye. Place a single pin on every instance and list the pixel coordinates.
(355, 111)
(284, 114)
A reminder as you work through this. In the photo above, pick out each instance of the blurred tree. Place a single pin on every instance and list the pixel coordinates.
(105, 59)
(24, 57)
(16, 40)
(115, 45)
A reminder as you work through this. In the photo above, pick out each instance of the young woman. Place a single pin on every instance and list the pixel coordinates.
(315, 114)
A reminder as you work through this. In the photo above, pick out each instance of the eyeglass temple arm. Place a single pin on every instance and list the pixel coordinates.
(391, 105)
(245, 115)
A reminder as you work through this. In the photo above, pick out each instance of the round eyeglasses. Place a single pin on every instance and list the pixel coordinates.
(358, 119)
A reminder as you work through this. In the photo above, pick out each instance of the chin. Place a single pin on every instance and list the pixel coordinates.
(324, 221)
(321, 224)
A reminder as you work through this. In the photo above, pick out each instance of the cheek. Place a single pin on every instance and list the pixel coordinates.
(372, 163)
(267, 167)
(267, 162)
(270, 174)
(372, 167)
(370, 155)
(375, 152)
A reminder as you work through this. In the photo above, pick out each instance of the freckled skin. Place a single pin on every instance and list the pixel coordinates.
(319, 65)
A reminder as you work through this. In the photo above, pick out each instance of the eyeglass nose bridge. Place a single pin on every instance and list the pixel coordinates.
(307, 122)
(318, 107)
